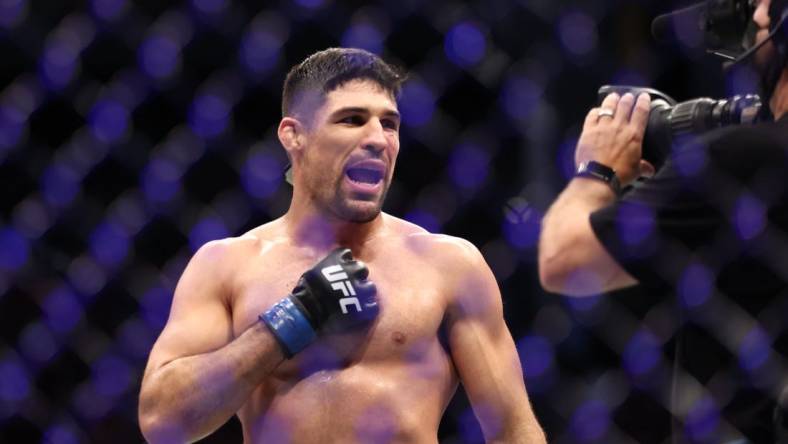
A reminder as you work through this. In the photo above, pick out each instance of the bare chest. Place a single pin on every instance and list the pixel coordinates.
(412, 304)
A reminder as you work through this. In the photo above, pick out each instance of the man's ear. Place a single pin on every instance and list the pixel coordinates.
(291, 135)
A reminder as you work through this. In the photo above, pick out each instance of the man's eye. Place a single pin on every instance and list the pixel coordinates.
(352, 120)
(390, 124)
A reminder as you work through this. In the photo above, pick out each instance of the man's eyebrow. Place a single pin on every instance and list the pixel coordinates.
(358, 109)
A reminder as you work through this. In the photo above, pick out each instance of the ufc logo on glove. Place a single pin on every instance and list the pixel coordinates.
(339, 282)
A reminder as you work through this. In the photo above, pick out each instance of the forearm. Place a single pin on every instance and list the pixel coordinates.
(188, 398)
(566, 235)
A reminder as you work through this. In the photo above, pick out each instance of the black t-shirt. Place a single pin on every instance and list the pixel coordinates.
(711, 231)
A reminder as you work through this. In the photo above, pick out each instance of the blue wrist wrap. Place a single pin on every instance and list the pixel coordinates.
(290, 327)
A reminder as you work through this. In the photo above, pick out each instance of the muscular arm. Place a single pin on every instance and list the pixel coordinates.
(197, 375)
(485, 355)
(572, 261)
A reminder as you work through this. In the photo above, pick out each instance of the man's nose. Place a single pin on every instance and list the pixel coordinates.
(375, 137)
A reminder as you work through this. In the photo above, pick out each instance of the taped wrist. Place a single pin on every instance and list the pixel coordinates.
(289, 325)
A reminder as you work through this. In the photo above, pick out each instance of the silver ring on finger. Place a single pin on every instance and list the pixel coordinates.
(605, 112)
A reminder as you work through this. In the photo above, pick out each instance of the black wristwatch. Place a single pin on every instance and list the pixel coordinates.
(598, 171)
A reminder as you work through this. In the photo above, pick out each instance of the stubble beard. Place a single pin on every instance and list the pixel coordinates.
(333, 200)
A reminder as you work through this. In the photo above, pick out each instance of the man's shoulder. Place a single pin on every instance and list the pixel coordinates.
(228, 251)
(452, 250)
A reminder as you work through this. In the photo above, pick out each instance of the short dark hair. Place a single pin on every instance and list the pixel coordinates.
(329, 69)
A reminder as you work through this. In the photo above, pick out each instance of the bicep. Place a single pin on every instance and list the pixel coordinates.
(199, 320)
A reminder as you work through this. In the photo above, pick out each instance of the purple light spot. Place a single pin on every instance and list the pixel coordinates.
(208, 115)
(159, 56)
(702, 420)
(136, 338)
(62, 310)
(536, 354)
(522, 225)
(58, 64)
(364, 36)
(37, 343)
(59, 185)
(635, 222)
(310, 4)
(109, 120)
(695, 285)
(754, 349)
(423, 219)
(418, 103)
(205, 231)
(260, 50)
(111, 376)
(690, 160)
(12, 124)
(590, 421)
(108, 9)
(15, 250)
(585, 303)
(155, 307)
(465, 44)
(160, 180)
(468, 166)
(61, 434)
(743, 80)
(578, 33)
(521, 97)
(109, 243)
(262, 175)
(642, 353)
(12, 12)
(470, 431)
(749, 217)
(14, 382)
(210, 6)
(86, 276)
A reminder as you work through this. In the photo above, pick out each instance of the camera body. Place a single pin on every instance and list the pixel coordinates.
(670, 123)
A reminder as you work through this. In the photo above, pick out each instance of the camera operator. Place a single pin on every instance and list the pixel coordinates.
(709, 228)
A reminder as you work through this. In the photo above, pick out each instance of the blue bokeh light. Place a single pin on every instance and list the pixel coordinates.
(749, 216)
(695, 285)
(702, 420)
(15, 250)
(12, 12)
(59, 185)
(578, 33)
(61, 434)
(206, 230)
(14, 380)
(635, 222)
(109, 9)
(468, 166)
(159, 56)
(417, 104)
(210, 6)
(62, 310)
(12, 125)
(109, 120)
(424, 219)
(111, 376)
(521, 96)
(754, 349)
(522, 226)
(364, 36)
(58, 64)
(310, 4)
(465, 44)
(536, 354)
(642, 353)
(260, 50)
(209, 115)
(37, 343)
(161, 180)
(262, 175)
(590, 421)
(109, 243)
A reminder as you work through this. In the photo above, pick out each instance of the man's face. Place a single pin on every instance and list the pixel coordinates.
(352, 145)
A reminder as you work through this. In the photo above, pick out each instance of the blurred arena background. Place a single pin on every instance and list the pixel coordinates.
(133, 132)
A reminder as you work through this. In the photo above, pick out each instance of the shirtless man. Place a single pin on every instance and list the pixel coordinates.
(345, 356)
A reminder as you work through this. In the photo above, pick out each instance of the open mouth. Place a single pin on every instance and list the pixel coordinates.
(366, 173)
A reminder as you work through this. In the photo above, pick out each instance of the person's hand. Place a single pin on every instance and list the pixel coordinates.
(333, 296)
(613, 136)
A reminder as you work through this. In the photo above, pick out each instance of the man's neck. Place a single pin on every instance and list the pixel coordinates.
(779, 101)
(324, 232)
